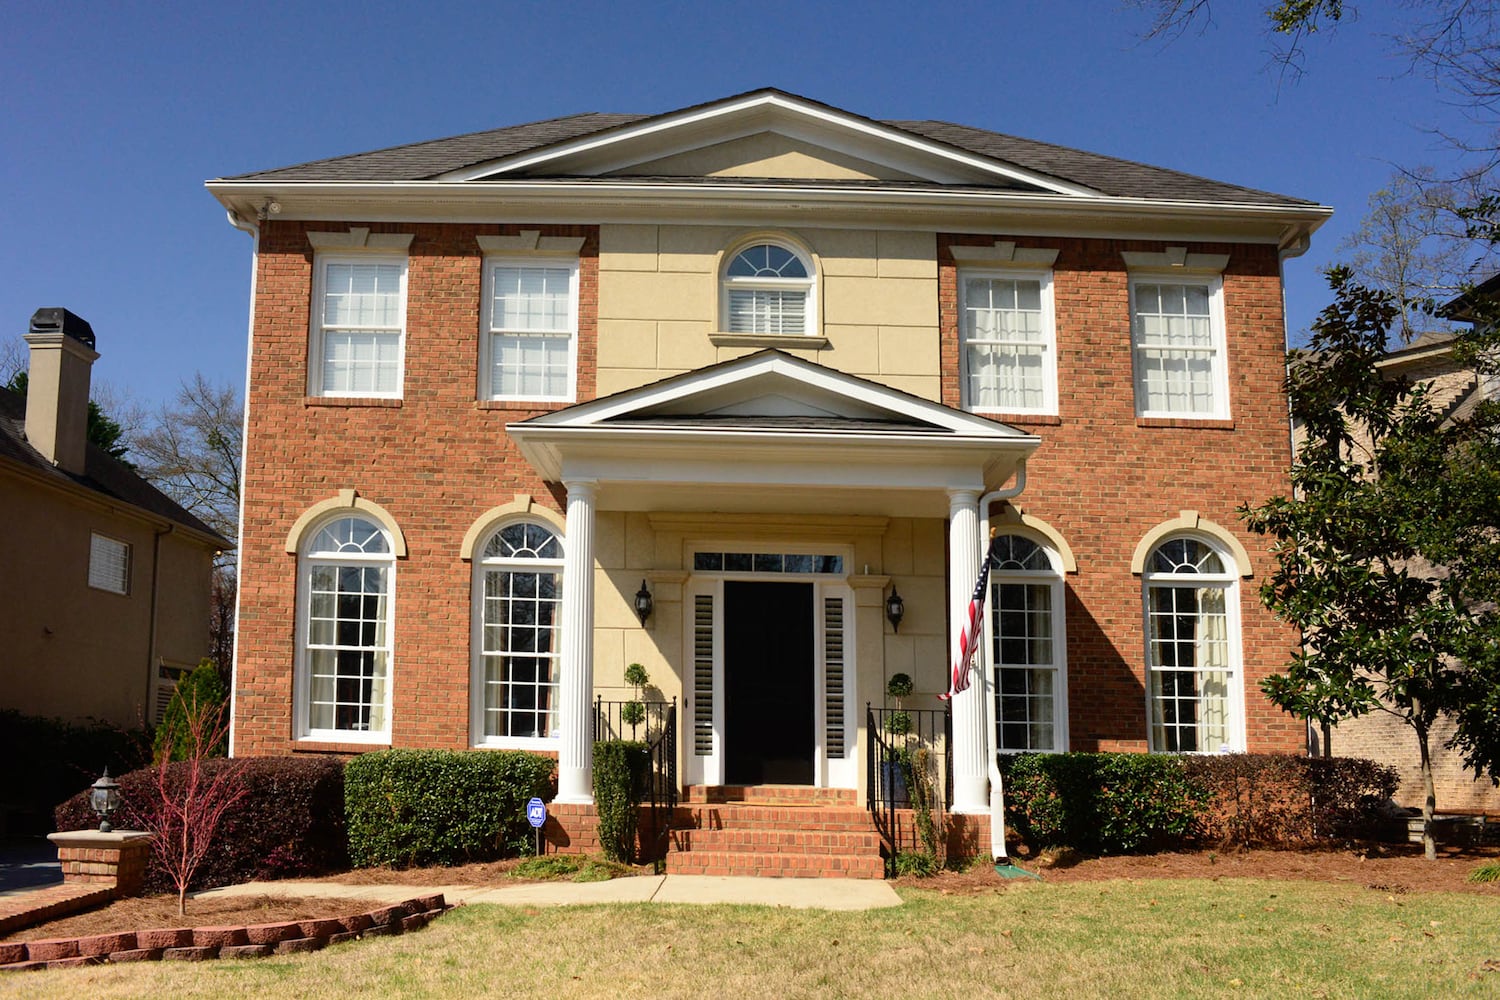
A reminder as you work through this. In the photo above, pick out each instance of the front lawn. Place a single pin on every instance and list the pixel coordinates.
(1127, 938)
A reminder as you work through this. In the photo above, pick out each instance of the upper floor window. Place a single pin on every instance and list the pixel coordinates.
(109, 564)
(518, 598)
(531, 330)
(1178, 337)
(1192, 646)
(1009, 352)
(346, 575)
(359, 326)
(768, 289)
(1026, 619)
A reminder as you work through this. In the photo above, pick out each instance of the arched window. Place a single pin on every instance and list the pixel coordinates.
(1192, 646)
(1027, 646)
(346, 571)
(518, 604)
(768, 289)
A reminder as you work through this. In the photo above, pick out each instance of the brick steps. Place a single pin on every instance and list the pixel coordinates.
(775, 831)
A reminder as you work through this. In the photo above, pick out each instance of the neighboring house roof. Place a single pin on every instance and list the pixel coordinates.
(103, 473)
(1110, 176)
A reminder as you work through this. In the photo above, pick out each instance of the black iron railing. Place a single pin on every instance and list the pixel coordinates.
(902, 745)
(656, 726)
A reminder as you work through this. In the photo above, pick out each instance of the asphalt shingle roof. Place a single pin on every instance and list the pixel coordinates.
(1109, 175)
(103, 473)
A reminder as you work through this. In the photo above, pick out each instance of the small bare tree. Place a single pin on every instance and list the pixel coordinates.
(189, 799)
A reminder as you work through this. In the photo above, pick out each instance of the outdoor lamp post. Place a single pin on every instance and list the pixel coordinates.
(104, 798)
(895, 610)
(643, 603)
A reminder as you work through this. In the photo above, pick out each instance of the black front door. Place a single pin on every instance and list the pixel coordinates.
(769, 721)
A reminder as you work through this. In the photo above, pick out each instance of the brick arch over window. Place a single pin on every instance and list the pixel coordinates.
(1190, 522)
(523, 507)
(347, 501)
(1009, 519)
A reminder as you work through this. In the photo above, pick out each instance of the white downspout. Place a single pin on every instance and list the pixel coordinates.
(253, 228)
(987, 696)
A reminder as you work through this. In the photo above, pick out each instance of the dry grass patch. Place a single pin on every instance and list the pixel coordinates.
(1140, 939)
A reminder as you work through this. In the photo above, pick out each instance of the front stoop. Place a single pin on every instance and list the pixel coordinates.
(773, 831)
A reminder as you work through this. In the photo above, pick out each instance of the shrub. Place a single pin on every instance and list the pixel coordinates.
(1285, 800)
(290, 822)
(49, 760)
(620, 769)
(422, 807)
(1101, 803)
(200, 691)
(921, 864)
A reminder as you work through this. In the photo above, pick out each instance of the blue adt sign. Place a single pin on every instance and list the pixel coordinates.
(536, 813)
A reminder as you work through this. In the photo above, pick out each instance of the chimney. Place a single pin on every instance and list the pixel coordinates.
(57, 387)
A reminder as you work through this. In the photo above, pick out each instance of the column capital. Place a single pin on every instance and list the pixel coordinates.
(583, 488)
(962, 498)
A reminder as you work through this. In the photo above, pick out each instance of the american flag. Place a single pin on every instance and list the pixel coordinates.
(969, 640)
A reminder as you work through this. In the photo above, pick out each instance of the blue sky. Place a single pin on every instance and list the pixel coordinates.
(114, 114)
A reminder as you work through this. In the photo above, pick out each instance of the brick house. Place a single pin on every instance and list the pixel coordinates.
(772, 364)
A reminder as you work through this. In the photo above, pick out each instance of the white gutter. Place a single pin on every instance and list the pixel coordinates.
(253, 228)
(987, 695)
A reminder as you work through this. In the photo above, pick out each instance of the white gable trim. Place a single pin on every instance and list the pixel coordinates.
(861, 392)
(678, 132)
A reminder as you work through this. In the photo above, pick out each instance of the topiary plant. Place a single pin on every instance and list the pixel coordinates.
(899, 686)
(633, 712)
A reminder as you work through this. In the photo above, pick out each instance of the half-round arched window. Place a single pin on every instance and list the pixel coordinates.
(1027, 645)
(518, 607)
(1192, 645)
(347, 568)
(768, 289)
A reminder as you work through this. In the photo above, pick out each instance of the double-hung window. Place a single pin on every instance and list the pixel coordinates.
(109, 564)
(1192, 647)
(359, 326)
(347, 573)
(1009, 352)
(768, 290)
(1026, 611)
(518, 598)
(1177, 330)
(531, 330)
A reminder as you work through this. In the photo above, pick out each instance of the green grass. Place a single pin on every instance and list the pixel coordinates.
(1137, 939)
(1486, 873)
(570, 868)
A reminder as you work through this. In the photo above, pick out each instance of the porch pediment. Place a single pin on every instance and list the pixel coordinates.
(772, 432)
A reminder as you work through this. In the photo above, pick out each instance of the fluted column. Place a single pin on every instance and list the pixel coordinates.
(971, 779)
(575, 758)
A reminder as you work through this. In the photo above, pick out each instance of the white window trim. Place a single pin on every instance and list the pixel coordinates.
(1229, 580)
(487, 330)
(477, 737)
(1056, 578)
(95, 538)
(1215, 285)
(302, 681)
(812, 320)
(315, 343)
(1049, 339)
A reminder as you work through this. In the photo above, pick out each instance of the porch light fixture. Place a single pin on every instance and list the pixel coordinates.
(643, 603)
(895, 610)
(104, 798)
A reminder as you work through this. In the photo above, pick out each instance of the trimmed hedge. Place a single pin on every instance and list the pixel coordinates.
(48, 760)
(421, 807)
(290, 822)
(1104, 803)
(620, 771)
(1101, 803)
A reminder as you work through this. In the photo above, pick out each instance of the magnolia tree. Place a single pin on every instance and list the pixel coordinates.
(1388, 551)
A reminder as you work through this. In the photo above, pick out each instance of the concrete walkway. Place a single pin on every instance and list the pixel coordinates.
(796, 893)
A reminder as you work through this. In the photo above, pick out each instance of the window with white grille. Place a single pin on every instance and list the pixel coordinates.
(1026, 612)
(518, 596)
(1178, 336)
(359, 326)
(109, 564)
(531, 324)
(768, 289)
(1009, 347)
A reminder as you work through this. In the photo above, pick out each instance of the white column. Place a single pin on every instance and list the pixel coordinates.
(575, 758)
(971, 779)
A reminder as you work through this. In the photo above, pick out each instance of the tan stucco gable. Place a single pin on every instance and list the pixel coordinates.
(767, 154)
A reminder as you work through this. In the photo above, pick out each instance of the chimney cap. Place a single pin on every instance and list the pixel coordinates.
(56, 319)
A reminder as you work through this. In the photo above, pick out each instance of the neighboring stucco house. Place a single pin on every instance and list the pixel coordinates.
(772, 362)
(105, 589)
(1454, 390)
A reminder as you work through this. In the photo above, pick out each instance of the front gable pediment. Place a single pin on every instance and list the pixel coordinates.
(766, 134)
